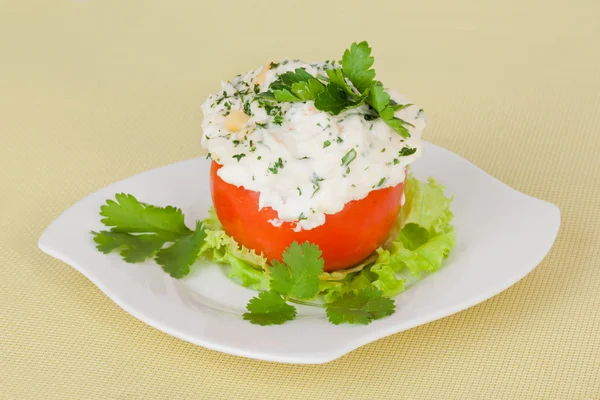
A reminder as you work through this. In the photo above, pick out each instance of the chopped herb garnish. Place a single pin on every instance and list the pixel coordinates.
(261, 125)
(238, 157)
(383, 150)
(396, 161)
(315, 181)
(299, 191)
(407, 151)
(381, 182)
(278, 120)
(349, 157)
(339, 139)
(236, 142)
(276, 166)
(252, 149)
(326, 143)
(259, 157)
(301, 216)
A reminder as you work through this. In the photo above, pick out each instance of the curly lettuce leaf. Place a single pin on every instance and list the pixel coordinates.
(426, 258)
(426, 206)
(246, 274)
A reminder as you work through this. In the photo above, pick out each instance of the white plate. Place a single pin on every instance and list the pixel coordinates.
(501, 236)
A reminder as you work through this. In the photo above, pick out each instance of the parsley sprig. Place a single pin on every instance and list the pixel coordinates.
(296, 280)
(345, 87)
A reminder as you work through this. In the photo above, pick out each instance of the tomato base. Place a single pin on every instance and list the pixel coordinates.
(346, 238)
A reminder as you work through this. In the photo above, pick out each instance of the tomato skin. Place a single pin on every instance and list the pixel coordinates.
(346, 238)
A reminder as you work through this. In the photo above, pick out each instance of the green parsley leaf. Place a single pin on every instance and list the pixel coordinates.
(133, 248)
(299, 75)
(308, 90)
(360, 307)
(349, 157)
(378, 98)
(337, 76)
(298, 276)
(326, 143)
(269, 308)
(398, 125)
(128, 215)
(284, 95)
(238, 157)
(177, 259)
(356, 64)
(334, 100)
(398, 107)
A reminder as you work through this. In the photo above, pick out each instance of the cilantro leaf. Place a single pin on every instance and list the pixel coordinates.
(133, 248)
(360, 307)
(177, 259)
(299, 275)
(356, 64)
(128, 215)
(269, 308)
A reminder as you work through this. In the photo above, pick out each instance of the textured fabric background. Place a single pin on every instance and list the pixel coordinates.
(94, 91)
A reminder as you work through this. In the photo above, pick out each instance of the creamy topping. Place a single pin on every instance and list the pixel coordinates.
(303, 162)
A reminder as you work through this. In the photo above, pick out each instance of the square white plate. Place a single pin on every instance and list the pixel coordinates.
(501, 236)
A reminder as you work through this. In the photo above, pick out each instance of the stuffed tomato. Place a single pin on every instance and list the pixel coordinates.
(299, 157)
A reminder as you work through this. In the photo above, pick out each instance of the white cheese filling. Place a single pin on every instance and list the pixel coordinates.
(303, 162)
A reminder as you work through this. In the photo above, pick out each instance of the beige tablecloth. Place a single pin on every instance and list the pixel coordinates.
(93, 91)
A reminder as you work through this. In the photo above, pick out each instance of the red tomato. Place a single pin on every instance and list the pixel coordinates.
(346, 238)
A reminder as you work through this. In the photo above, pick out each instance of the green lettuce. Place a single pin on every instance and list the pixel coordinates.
(422, 238)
